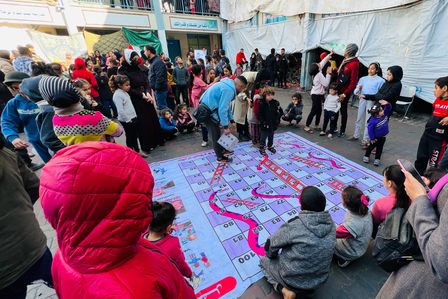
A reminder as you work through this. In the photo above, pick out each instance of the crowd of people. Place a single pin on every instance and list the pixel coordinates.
(71, 119)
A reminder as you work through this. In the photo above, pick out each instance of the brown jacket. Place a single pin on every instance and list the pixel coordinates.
(22, 242)
(5, 66)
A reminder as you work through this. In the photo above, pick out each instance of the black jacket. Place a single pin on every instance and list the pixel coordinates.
(158, 74)
(271, 62)
(390, 91)
(103, 88)
(283, 64)
(269, 114)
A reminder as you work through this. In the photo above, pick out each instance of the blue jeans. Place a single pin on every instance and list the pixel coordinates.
(161, 99)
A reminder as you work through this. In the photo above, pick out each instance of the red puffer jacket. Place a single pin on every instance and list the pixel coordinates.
(97, 196)
(82, 72)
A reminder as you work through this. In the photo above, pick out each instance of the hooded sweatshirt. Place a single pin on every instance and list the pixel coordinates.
(390, 91)
(299, 254)
(82, 73)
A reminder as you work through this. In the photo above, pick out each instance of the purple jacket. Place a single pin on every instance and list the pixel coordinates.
(379, 126)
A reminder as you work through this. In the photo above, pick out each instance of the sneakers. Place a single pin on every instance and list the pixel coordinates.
(204, 143)
(341, 134)
(365, 159)
(35, 166)
(225, 159)
(353, 138)
(272, 150)
(343, 263)
(262, 151)
(144, 154)
(376, 162)
(330, 135)
(322, 133)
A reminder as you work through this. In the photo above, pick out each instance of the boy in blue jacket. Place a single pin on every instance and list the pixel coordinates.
(378, 128)
(20, 112)
(168, 124)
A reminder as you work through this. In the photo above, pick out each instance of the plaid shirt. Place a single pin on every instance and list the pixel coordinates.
(23, 64)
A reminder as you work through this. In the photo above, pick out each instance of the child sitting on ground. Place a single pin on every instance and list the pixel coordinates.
(184, 120)
(159, 234)
(299, 254)
(168, 124)
(294, 109)
(353, 236)
(331, 109)
(72, 123)
(378, 128)
(394, 183)
(269, 113)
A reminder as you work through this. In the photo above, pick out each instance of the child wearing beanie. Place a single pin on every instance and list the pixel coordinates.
(72, 123)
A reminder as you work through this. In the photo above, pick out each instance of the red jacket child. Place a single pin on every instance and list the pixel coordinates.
(82, 72)
(98, 198)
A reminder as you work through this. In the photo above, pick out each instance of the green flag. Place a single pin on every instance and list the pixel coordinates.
(142, 38)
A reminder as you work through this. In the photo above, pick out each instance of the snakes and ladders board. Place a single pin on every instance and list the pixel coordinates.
(225, 212)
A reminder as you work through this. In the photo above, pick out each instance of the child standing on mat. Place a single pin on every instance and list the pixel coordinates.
(269, 113)
(160, 235)
(184, 120)
(435, 136)
(294, 109)
(299, 254)
(254, 123)
(331, 109)
(353, 236)
(320, 84)
(378, 128)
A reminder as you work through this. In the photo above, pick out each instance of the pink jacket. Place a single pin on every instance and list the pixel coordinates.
(199, 87)
(97, 196)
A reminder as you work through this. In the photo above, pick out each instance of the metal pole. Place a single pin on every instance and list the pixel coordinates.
(160, 25)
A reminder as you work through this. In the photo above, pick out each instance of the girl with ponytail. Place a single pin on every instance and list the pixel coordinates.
(397, 198)
(353, 236)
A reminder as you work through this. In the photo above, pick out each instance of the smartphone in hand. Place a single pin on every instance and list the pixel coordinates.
(406, 165)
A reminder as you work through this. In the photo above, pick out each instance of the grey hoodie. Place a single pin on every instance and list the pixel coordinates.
(299, 254)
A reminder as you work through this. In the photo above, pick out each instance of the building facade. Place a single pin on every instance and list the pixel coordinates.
(179, 24)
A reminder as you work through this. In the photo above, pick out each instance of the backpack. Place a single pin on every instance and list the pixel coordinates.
(395, 244)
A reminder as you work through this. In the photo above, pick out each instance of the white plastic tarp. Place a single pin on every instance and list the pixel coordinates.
(243, 10)
(414, 38)
(288, 35)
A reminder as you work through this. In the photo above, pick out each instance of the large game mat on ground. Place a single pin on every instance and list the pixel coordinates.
(227, 211)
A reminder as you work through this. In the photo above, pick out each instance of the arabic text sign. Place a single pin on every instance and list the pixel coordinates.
(182, 23)
(28, 13)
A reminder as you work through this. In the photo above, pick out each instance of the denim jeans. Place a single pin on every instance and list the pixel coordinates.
(161, 99)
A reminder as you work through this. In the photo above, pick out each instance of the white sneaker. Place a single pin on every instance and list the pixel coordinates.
(204, 143)
(330, 136)
(365, 159)
(376, 162)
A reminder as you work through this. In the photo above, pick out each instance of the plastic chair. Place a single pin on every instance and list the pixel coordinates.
(407, 92)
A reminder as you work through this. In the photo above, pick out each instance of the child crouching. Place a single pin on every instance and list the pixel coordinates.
(294, 110)
(184, 120)
(353, 236)
(299, 254)
(378, 128)
(168, 124)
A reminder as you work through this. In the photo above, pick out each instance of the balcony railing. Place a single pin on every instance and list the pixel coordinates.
(124, 4)
(197, 7)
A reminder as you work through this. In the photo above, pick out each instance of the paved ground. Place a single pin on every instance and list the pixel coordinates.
(363, 279)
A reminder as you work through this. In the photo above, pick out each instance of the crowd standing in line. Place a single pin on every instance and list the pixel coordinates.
(67, 118)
